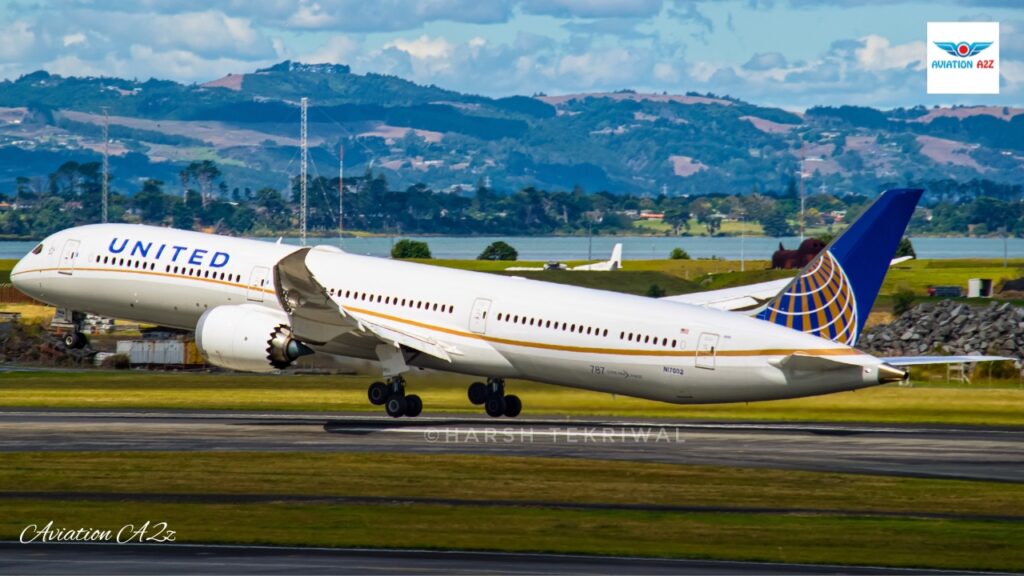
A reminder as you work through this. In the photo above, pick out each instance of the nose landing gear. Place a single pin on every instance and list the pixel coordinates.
(394, 399)
(492, 395)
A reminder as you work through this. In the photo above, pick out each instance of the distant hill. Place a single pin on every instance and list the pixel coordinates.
(621, 142)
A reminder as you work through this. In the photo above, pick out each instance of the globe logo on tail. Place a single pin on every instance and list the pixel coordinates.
(820, 301)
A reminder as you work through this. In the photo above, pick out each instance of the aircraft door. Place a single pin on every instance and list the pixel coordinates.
(706, 348)
(68, 257)
(259, 280)
(478, 316)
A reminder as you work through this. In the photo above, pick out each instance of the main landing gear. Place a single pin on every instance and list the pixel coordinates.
(392, 396)
(492, 395)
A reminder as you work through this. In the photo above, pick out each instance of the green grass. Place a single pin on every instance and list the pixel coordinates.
(917, 275)
(794, 538)
(836, 526)
(447, 393)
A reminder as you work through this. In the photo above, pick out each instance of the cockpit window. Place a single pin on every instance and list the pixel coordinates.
(38, 249)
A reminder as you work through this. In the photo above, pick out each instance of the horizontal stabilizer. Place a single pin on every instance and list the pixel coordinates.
(735, 298)
(800, 361)
(925, 360)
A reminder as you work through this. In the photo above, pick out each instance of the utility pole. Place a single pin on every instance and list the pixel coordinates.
(341, 191)
(302, 176)
(106, 162)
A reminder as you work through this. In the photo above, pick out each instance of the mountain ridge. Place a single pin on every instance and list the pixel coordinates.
(620, 141)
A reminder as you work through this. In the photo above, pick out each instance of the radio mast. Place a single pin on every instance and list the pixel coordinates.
(302, 176)
(341, 192)
(106, 162)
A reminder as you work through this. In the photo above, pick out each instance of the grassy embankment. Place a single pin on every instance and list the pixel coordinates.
(811, 517)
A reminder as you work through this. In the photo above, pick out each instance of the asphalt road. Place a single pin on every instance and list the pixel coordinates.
(910, 450)
(189, 559)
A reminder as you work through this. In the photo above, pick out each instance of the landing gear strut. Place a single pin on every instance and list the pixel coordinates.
(392, 396)
(492, 395)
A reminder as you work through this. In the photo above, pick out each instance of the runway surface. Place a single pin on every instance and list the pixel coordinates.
(187, 559)
(924, 451)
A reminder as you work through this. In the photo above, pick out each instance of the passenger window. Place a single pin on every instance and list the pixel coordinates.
(673, 343)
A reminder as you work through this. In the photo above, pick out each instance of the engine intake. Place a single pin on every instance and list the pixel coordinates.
(249, 338)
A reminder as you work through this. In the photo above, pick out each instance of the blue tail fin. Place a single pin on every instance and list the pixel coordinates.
(833, 295)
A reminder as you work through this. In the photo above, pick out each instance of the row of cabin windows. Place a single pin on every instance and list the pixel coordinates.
(581, 329)
(392, 300)
(564, 326)
(143, 265)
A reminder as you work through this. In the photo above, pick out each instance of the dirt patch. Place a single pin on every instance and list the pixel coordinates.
(636, 97)
(231, 82)
(217, 134)
(996, 111)
(768, 126)
(945, 151)
(392, 133)
(685, 166)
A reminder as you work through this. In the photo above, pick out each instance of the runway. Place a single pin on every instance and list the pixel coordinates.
(191, 559)
(908, 450)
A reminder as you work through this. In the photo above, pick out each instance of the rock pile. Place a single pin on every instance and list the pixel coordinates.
(948, 327)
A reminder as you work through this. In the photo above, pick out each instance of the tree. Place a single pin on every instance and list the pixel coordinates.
(498, 251)
(678, 254)
(776, 225)
(655, 291)
(410, 249)
(150, 201)
(677, 216)
(905, 248)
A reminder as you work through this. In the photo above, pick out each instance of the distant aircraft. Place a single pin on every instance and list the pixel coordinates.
(257, 306)
(613, 263)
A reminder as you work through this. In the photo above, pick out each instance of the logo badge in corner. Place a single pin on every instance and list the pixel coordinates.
(963, 58)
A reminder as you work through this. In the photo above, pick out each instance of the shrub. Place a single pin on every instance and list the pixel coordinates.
(903, 300)
(410, 249)
(498, 251)
(655, 291)
(678, 254)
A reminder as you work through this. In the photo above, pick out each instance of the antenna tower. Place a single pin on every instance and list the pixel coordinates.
(302, 176)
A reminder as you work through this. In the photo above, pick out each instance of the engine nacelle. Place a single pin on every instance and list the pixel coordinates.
(248, 337)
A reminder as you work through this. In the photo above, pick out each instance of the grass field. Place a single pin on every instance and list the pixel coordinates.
(305, 392)
(815, 516)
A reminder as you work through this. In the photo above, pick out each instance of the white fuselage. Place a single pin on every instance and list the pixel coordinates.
(503, 327)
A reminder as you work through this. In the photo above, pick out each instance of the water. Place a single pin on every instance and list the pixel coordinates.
(546, 248)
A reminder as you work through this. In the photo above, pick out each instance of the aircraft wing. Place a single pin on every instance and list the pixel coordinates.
(317, 319)
(925, 360)
(735, 298)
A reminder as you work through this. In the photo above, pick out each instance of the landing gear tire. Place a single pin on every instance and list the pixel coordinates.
(496, 402)
(397, 405)
(378, 393)
(513, 405)
(413, 406)
(495, 406)
(75, 340)
(477, 393)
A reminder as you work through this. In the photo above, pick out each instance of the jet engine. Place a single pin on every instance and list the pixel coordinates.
(248, 337)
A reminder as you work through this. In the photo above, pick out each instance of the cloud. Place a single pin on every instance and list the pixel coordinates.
(877, 53)
(17, 39)
(336, 50)
(765, 61)
(594, 8)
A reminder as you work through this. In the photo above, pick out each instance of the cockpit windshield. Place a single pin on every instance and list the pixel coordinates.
(38, 249)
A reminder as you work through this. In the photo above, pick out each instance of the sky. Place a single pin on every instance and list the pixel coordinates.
(788, 53)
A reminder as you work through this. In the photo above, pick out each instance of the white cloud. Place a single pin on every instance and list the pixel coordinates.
(878, 53)
(72, 39)
(337, 50)
(16, 40)
(311, 15)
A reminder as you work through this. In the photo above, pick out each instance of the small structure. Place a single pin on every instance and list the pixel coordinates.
(979, 288)
(789, 259)
(160, 353)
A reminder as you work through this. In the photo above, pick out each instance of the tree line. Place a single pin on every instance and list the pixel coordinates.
(202, 199)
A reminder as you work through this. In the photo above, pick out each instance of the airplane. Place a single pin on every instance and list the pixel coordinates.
(257, 306)
(609, 265)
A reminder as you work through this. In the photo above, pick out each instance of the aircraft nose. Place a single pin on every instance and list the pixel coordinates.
(16, 276)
